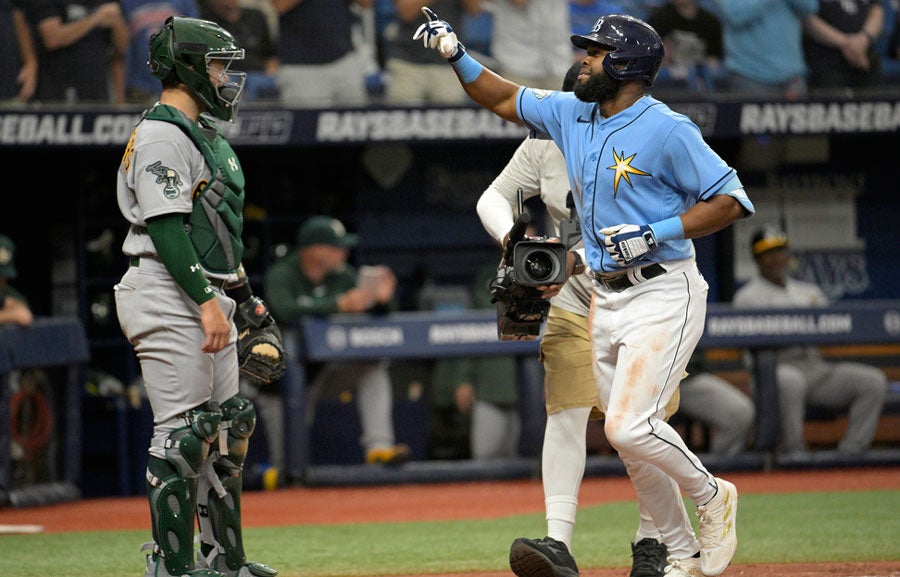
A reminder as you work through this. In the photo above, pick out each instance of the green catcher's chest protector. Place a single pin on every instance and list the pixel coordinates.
(216, 221)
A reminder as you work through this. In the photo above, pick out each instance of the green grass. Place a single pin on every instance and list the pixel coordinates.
(845, 526)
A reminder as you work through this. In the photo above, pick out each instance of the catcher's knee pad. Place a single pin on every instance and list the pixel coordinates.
(172, 484)
(238, 423)
(239, 415)
(219, 504)
(187, 447)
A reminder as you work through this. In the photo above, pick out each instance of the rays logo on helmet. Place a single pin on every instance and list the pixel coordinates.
(635, 48)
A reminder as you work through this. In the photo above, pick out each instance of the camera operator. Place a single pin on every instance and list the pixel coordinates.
(571, 395)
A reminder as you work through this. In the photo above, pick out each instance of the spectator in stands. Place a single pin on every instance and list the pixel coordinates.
(81, 50)
(265, 6)
(583, 14)
(144, 18)
(693, 39)
(711, 400)
(803, 376)
(530, 40)
(479, 394)
(18, 59)
(316, 280)
(416, 76)
(251, 29)
(14, 306)
(321, 61)
(763, 46)
(840, 44)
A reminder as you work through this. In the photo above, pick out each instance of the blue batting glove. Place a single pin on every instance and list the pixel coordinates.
(627, 243)
(437, 34)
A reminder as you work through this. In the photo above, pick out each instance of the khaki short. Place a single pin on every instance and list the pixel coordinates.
(568, 375)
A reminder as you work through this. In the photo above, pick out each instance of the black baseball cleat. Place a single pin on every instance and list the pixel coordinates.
(648, 558)
(545, 557)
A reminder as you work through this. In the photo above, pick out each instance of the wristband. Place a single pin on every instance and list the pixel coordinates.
(467, 67)
(669, 229)
(459, 53)
(239, 292)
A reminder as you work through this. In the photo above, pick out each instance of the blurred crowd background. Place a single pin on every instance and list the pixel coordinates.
(360, 52)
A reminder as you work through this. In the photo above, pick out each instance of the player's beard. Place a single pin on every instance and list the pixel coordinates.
(597, 88)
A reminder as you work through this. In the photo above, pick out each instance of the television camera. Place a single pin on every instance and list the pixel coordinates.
(527, 263)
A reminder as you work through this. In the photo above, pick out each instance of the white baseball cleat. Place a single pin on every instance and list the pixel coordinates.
(718, 535)
(689, 567)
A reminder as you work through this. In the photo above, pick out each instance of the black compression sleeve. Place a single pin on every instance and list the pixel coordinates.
(240, 292)
(176, 252)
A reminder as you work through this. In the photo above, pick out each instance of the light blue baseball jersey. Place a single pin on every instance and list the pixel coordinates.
(640, 166)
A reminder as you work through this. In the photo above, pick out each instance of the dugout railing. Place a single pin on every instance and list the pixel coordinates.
(472, 333)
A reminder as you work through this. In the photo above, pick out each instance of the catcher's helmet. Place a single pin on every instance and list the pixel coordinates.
(184, 47)
(637, 50)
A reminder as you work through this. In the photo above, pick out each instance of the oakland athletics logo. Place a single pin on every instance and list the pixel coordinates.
(167, 176)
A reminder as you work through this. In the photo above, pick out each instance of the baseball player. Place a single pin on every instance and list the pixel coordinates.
(803, 375)
(644, 182)
(728, 412)
(538, 168)
(317, 280)
(180, 187)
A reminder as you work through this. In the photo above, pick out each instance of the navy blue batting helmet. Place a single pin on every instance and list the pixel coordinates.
(637, 50)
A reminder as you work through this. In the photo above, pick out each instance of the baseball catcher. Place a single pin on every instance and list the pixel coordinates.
(259, 348)
(186, 306)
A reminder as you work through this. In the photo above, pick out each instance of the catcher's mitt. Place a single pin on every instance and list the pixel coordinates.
(261, 355)
(259, 349)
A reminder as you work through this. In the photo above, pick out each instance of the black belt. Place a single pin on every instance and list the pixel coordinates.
(624, 281)
(215, 282)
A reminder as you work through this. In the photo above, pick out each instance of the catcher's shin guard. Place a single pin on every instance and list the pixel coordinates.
(173, 470)
(219, 499)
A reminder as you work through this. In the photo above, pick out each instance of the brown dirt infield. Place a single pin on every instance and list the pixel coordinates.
(475, 500)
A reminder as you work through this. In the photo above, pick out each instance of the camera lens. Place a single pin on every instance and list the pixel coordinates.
(538, 263)
(540, 266)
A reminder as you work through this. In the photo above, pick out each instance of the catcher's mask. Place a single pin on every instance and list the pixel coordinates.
(636, 50)
(184, 47)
